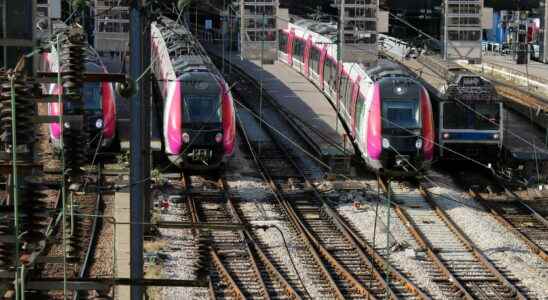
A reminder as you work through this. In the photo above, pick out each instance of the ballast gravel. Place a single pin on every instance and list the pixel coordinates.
(504, 249)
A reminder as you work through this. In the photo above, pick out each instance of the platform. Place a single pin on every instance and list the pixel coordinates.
(309, 108)
(122, 242)
(534, 68)
(526, 85)
(524, 144)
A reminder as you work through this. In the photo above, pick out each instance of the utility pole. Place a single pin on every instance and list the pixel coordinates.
(138, 156)
(340, 42)
(544, 30)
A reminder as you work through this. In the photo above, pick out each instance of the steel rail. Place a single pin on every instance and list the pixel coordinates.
(425, 243)
(483, 260)
(225, 275)
(242, 234)
(260, 253)
(499, 216)
(309, 237)
(86, 264)
(216, 259)
(379, 260)
(304, 237)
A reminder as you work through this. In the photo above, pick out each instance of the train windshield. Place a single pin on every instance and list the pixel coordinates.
(401, 114)
(202, 109)
(92, 96)
(477, 116)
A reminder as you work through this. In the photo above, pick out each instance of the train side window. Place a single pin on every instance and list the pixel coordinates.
(299, 49)
(345, 94)
(314, 59)
(283, 42)
(332, 78)
(327, 71)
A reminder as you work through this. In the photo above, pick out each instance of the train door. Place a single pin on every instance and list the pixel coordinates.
(290, 40)
(306, 56)
(323, 55)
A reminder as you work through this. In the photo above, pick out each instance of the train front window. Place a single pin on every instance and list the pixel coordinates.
(92, 96)
(202, 109)
(400, 114)
(476, 116)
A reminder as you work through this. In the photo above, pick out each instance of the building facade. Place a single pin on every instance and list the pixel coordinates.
(17, 38)
(112, 25)
(258, 29)
(359, 30)
(461, 29)
(47, 11)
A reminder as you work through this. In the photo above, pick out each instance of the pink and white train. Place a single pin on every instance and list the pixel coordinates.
(199, 126)
(386, 112)
(99, 101)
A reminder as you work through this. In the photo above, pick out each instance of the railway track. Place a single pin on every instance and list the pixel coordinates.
(81, 226)
(512, 212)
(347, 266)
(239, 267)
(470, 273)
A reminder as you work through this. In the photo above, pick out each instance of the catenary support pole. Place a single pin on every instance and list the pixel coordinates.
(137, 156)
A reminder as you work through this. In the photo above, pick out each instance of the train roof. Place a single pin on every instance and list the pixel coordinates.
(385, 68)
(185, 51)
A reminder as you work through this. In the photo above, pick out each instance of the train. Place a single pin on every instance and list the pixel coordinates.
(468, 111)
(99, 101)
(197, 108)
(384, 110)
(471, 118)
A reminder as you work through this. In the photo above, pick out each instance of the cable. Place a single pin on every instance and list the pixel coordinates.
(291, 259)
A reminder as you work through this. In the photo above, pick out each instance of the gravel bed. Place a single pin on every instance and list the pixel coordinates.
(103, 263)
(274, 240)
(405, 254)
(180, 250)
(502, 247)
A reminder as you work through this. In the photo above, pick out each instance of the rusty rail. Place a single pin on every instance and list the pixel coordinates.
(225, 275)
(499, 216)
(425, 244)
(289, 290)
(483, 260)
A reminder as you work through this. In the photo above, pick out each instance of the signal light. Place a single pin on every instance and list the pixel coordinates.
(186, 138)
(219, 137)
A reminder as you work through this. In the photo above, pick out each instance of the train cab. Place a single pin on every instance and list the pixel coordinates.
(471, 119)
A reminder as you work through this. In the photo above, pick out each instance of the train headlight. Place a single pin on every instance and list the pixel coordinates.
(67, 125)
(496, 136)
(99, 123)
(418, 144)
(219, 137)
(385, 143)
(186, 138)
(400, 90)
(446, 135)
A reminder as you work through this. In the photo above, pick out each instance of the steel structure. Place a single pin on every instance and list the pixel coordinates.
(16, 31)
(461, 29)
(258, 29)
(543, 30)
(358, 30)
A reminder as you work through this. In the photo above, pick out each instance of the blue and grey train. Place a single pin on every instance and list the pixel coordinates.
(471, 118)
